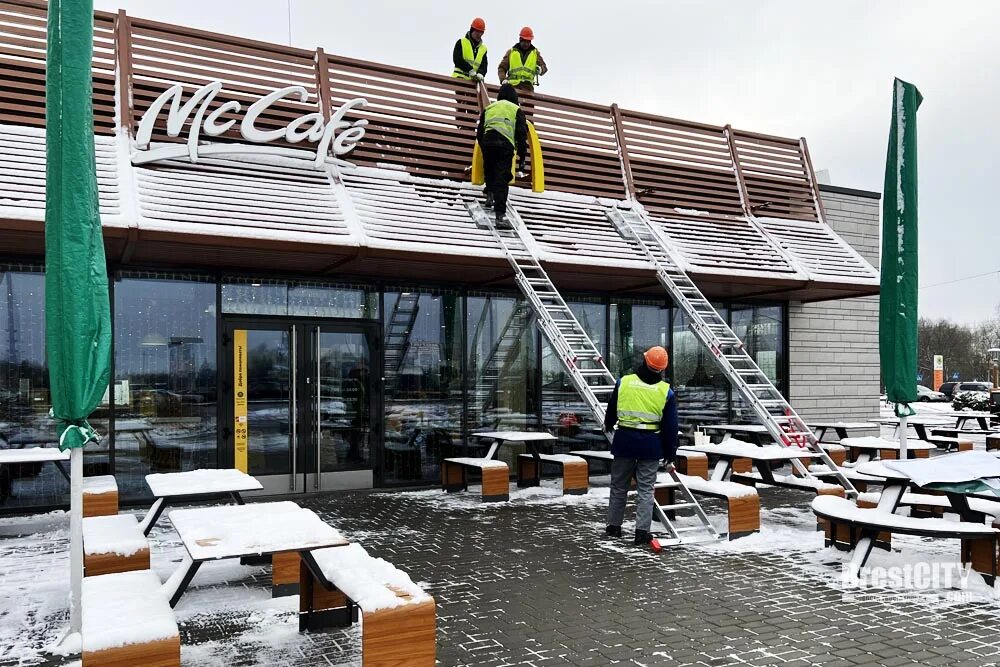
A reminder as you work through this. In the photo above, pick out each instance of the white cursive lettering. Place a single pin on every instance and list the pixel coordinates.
(337, 135)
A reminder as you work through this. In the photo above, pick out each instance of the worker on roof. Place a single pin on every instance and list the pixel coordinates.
(469, 54)
(502, 133)
(522, 64)
(644, 409)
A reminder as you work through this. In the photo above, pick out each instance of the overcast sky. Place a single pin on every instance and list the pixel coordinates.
(819, 70)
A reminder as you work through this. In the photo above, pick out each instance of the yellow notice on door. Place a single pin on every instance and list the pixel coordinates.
(240, 428)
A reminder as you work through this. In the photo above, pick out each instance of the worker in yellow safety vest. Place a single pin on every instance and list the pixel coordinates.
(469, 54)
(523, 63)
(644, 409)
(502, 133)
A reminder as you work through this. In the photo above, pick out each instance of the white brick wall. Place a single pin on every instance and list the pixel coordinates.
(833, 360)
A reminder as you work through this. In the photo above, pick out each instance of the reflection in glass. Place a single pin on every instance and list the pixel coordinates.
(761, 330)
(345, 417)
(423, 385)
(24, 398)
(702, 390)
(298, 299)
(564, 413)
(636, 327)
(165, 376)
(268, 385)
(500, 366)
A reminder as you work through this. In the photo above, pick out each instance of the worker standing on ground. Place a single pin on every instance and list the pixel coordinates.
(469, 54)
(502, 131)
(644, 408)
(522, 64)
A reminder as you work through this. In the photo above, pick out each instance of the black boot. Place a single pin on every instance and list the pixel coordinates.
(613, 531)
(502, 222)
(642, 538)
(488, 203)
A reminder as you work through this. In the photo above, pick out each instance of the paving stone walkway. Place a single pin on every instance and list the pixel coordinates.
(529, 584)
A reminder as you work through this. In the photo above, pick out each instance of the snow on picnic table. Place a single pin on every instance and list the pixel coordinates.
(125, 608)
(205, 480)
(842, 508)
(32, 455)
(257, 528)
(872, 442)
(740, 449)
(116, 534)
(366, 579)
(478, 463)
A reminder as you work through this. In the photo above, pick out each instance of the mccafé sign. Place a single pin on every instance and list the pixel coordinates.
(336, 133)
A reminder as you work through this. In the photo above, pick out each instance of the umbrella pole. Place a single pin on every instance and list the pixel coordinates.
(903, 432)
(76, 538)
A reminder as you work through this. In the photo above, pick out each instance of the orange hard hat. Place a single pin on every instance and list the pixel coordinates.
(478, 24)
(656, 358)
(527, 33)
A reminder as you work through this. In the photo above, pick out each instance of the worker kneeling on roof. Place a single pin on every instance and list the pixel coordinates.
(644, 409)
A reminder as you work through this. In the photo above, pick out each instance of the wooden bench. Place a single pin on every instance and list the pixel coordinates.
(993, 442)
(817, 486)
(113, 544)
(959, 432)
(688, 463)
(573, 471)
(948, 443)
(100, 496)
(742, 502)
(495, 477)
(848, 523)
(127, 621)
(398, 618)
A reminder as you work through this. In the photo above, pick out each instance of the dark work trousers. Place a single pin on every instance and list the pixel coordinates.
(498, 156)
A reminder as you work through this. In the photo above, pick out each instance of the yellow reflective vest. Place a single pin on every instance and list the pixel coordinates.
(473, 56)
(522, 71)
(501, 116)
(640, 405)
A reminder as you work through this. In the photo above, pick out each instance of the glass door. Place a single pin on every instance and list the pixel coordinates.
(343, 400)
(299, 399)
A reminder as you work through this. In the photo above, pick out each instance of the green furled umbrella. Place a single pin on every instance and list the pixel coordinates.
(898, 300)
(77, 311)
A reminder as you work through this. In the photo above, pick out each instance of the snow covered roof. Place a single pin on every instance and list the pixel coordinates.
(741, 207)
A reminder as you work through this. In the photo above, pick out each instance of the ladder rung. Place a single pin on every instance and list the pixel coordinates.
(675, 506)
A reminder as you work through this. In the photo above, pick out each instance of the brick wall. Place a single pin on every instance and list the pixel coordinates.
(833, 345)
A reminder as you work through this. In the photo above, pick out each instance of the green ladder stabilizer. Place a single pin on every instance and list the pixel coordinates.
(774, 412)
(581, 359)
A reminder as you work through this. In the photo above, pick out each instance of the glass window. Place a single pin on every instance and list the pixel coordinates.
(636, 327)
(165, 378)
(423, 382)
(702, 390)
(761, 328)
(299, 299)
(24, 397)
(501, 364)
(564, 412)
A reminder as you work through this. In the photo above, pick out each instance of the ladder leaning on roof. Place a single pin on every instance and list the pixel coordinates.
(775, 413)
(580, 358)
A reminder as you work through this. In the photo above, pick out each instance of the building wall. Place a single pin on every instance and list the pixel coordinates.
(833, 345)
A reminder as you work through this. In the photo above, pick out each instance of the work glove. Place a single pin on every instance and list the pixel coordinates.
(503, 82)
(477, 77)
(666, 466)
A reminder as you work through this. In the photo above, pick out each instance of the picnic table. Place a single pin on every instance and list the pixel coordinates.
(958, 476)
(529, 438)
(37, 455)
(868, 448)
(173, 487)
(840, 428)
(761, 457)
(756, 433)
(245, 531)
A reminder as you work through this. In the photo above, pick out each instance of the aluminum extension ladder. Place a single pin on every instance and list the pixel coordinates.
(774, 412)
(581, 359)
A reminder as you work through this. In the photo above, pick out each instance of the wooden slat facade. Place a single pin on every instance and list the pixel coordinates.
(708, 187)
